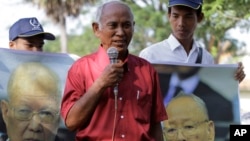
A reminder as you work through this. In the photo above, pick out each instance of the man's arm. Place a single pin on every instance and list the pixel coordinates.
(83, 109)
(81, 112)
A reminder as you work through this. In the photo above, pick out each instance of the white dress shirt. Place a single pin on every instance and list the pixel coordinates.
(171, 51)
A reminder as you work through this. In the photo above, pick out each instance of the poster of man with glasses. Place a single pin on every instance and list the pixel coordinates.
(213, 84)
(31, 88)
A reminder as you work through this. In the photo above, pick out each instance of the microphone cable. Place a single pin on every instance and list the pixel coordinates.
(116, 105)
(113, 55)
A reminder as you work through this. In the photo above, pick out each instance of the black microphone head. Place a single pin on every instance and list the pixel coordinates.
(113, 54)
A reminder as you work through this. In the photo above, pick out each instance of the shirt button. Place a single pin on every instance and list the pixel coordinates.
(122, 116)
(120, 98)
(122, 135)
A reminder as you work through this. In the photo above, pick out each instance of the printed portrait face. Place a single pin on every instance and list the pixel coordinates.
(187, 122)
(30, 117)
(32, 109)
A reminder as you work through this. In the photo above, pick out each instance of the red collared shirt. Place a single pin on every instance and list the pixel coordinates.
(140, 101)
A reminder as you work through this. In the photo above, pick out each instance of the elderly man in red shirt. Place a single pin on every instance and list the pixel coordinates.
(89, 104)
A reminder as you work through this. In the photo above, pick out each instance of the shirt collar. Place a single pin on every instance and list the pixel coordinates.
(102, 58)
(174, 43)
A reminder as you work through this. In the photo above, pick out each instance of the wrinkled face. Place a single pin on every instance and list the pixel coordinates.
(31, 118)
(116, 27)
(34, 43)
(187, 123)
(183, 21)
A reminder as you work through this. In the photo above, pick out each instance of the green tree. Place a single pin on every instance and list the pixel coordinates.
(80, 45)
(85, 43)
(220, 16)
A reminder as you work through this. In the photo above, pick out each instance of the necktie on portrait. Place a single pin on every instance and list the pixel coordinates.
(177, 90)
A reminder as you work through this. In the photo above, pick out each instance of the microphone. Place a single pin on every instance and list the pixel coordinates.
(113, 55)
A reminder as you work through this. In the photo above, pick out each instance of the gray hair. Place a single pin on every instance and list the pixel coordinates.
(99, 11)
(201, 104)
(37, 75)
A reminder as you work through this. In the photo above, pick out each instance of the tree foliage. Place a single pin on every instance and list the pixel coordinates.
(152, 26)
(220, 17)
(77, 44)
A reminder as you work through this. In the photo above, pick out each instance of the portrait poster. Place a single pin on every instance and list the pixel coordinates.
(214, 84)
(58, 63)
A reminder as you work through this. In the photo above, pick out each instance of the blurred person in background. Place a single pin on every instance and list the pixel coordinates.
(28, 34)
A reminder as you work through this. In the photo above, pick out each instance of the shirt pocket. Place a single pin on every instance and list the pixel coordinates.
(143, 107)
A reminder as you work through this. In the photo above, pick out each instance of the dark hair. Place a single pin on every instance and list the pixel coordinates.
(198, 11)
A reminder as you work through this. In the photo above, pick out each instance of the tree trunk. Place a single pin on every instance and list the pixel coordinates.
(63, 35)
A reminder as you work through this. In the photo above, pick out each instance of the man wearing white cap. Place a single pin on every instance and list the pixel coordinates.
(28, 34)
